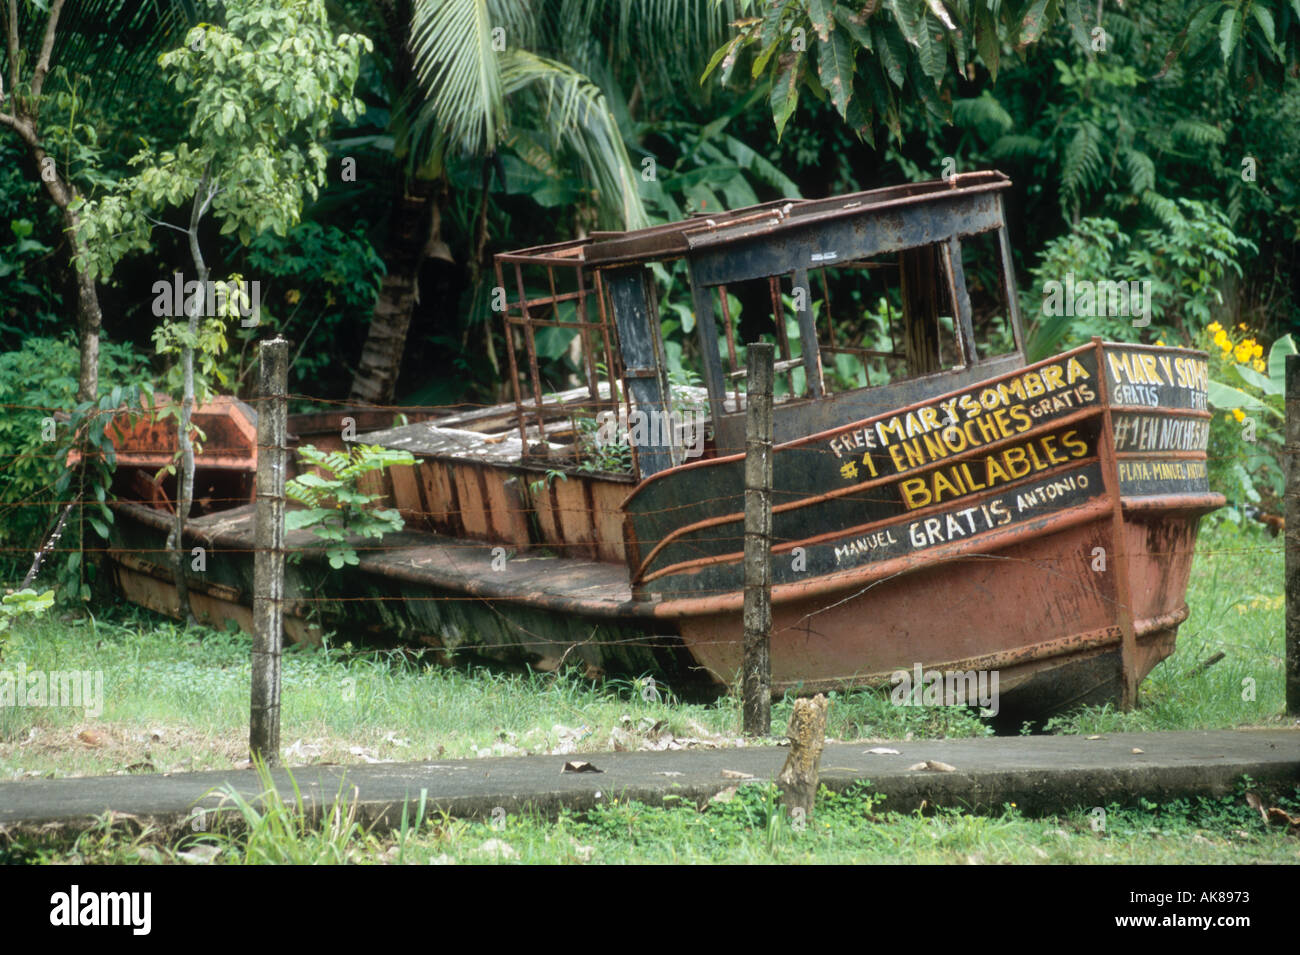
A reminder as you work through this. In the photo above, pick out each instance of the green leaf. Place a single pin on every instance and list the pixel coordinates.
(1031, 27)
(820, 13)
(892, 50)
(785, 90)
(1277, 357)
(1228, 32)
(1256, 380)
(100, 528)
(1264, 17)
(835, 67)
(720, 54)
(1226, 398)
(858, 28)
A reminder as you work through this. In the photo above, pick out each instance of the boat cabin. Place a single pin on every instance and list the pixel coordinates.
(873, 301)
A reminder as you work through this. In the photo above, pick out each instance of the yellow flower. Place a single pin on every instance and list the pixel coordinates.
(1257, 365)
(1257, 351)
(1238, 414)
(1221, 339)
(1243, 326)
(1215, 327)
(1241, 353)
(1159, 341)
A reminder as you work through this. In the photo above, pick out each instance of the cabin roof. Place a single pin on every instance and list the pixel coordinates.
(765, 220)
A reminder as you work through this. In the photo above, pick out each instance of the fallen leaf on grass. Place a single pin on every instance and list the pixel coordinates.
(92, 738)
(726, 795)
(580, 766)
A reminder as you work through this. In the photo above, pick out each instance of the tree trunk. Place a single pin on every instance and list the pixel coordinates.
(375, 381)
(185, 473)
(89, 321)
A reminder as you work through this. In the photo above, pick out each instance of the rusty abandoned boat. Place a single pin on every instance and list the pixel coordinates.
(938, 501)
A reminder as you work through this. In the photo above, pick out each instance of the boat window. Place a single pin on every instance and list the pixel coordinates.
(884, 319)
(981, 258)
(743, 312)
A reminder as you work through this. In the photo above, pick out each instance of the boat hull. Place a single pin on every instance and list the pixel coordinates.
(1037, 527)
(1034, 611)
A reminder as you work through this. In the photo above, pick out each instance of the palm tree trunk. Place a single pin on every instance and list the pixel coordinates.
(375, 380)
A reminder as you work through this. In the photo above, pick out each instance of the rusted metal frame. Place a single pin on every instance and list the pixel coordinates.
(566, 250)
(531, 346)
(1009, 283)
(706, 332)
(643, 364)
(807, 243)
(589, 359)
(829, 213)
(514, 364)
(557, 297)
(583, 332)
(552, 323)
(783, 339)
(731, 342)
(840, 581)
(812, 359)
(854, 350)
(1119, 561)
(829, 433)
(960, 300)
(813, 499)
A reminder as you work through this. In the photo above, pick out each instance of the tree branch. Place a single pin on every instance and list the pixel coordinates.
(47, 49)
(13, 49)
(167, 225)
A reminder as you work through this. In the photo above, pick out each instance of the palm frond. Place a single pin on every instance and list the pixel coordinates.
(460, 74)
(573, 109)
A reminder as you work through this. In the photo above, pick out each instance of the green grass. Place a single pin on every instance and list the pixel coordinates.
(177, 699)
(751, 828)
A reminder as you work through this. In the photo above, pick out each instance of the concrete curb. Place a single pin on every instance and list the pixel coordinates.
(1041, 774)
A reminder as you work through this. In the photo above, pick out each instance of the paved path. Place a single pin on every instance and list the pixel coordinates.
(1041, 774)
